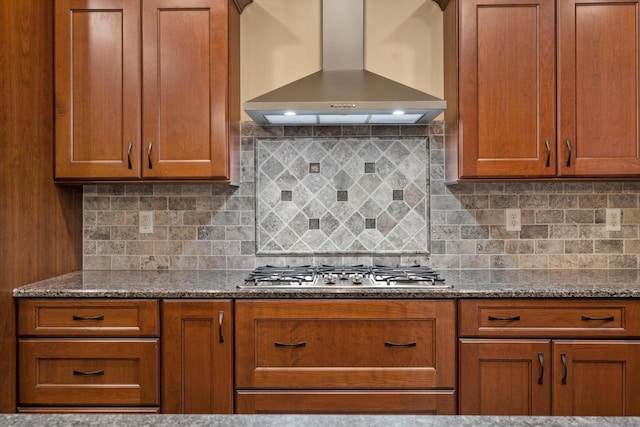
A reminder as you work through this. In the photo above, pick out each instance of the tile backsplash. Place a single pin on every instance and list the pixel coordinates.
(342, 195)
(208, 227)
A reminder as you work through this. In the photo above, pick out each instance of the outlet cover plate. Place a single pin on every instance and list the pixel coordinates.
(145, 222)
(513, 219)
(614, 219)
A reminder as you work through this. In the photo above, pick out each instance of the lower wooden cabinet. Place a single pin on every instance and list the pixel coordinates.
(346, 402)
(595, 378)
(564, 357)
(197, 357)
(345, 356)
(504, 377)
(88, 356)
(514, 377)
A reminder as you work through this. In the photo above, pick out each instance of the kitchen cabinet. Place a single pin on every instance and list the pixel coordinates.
(197, 357)
(91, 355)
(348, 356)
(146, 90)
(563, 357)
(511, 64)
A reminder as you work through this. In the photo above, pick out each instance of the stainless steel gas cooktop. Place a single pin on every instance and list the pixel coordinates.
(345, 277)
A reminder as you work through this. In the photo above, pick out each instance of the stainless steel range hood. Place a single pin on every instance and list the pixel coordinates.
(343, 92)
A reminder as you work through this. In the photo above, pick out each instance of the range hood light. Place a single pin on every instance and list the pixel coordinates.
(290, 113)
(398, 113)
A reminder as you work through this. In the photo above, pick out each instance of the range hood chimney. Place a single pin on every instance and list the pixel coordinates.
(343, 92)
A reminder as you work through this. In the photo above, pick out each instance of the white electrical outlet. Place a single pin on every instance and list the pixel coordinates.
(145, 222)
(614, 220)
(512, 218)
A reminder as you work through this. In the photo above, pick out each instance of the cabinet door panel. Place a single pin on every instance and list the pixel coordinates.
(598, 51)
(97, 89)
(505, 377)
(507, 88)
(197, 350)
(596, 378)
(185, 89)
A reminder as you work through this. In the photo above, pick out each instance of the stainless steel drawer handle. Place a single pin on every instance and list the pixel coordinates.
(89, 374)
(99, 317)
(295, 344)
(568, 141)
(605, 319)
(510, 318)
(393, 344)
(563, 358)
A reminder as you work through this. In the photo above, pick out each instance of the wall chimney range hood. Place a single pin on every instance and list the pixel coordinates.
(343, 92)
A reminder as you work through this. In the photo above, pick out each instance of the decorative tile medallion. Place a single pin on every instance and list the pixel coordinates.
(348, 195)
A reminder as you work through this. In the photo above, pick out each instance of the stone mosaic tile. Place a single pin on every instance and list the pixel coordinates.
(342, 195)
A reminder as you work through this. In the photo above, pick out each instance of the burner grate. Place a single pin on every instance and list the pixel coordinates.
(345, 277)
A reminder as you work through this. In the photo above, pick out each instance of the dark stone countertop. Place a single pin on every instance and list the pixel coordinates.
(223, 284)
(21, 420)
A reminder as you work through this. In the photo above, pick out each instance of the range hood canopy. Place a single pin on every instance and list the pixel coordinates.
(343, 92)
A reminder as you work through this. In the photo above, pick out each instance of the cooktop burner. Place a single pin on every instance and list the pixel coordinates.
(345, 276)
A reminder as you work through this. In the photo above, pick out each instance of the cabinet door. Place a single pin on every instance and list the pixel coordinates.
(504, 377)
(596, 378)
(507, 88)
(97, 89)
(185, 85)
(598, 71)
(197, 351)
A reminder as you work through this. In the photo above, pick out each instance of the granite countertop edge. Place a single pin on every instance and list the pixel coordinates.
(19, 420)
(223, 284)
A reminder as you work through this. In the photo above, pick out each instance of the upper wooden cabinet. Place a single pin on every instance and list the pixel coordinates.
(511, 64)
(598, 101)
(147, 90)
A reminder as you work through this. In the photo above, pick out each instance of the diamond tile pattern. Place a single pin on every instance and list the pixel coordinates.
(370, 177)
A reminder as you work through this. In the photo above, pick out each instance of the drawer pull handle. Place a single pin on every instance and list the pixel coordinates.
(568, 153)
(129, 155)
(548, 162)
(504, 318)
(606, 319)
(220, 319)
(563, 357)
(149, 147)
(541, 360)
(393, 344)
(88, 374)
(99, 317)
(295, 344)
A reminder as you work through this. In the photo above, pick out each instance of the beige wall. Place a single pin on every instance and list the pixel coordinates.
(281, 42)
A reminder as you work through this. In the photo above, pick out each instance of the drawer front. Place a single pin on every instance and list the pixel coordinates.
(87, 410)
(552, 318)
(347, 402)
(88, 372)
(345, 344)
(79, 317)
